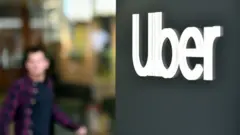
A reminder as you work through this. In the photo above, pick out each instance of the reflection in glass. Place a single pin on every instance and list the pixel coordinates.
(11, 51)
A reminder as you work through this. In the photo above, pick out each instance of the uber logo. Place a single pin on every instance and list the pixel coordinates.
(157, 35)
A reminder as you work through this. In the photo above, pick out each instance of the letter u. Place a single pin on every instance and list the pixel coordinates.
(148, 69)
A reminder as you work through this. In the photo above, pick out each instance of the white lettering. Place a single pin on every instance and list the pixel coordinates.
(157, 35)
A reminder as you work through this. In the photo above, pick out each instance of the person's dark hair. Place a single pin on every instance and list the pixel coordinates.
(34, 49)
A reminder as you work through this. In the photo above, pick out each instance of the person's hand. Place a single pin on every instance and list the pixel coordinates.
(82, 131)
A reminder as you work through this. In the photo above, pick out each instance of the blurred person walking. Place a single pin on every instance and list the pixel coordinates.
(29, 103)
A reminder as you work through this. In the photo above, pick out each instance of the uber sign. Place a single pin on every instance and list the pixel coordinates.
(157, 35)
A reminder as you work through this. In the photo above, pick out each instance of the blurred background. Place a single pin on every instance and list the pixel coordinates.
(80, 38)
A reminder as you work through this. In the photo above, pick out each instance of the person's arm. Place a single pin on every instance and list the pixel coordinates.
(62, 119)
(8, 109)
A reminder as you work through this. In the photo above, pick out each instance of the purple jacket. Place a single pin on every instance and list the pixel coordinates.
(17, 108)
